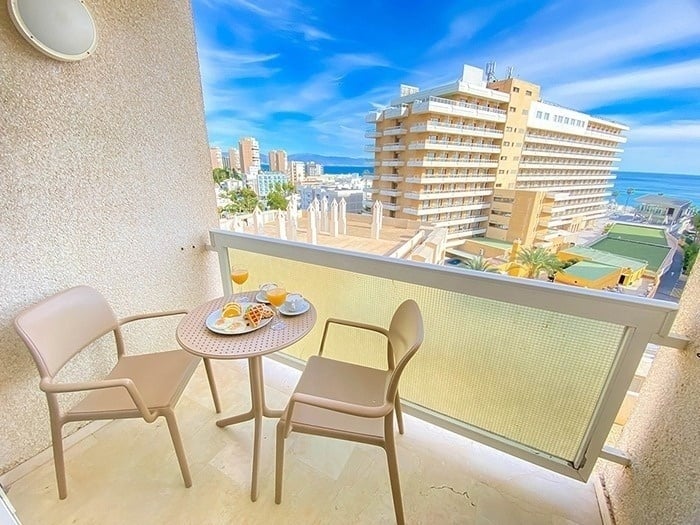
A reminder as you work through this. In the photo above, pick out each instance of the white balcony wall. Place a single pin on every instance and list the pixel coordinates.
(90, 193)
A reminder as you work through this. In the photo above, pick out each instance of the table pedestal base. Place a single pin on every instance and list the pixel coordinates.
(258, 410)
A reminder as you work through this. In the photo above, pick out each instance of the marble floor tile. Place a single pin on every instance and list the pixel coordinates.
(126, 472)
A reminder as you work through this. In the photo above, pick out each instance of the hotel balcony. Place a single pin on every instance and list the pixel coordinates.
(534, 138)
(449, 179)
(390, 193)
(390, 206)
(390, 178)
(372, 134)
(425, 211)
(556, 187)
(395, 130)
(526, 177)
(507, 404)
(550, 153)
(372, 148)
(447, 194)
(373, 116)
(567, 166)
(448, 145)
(393, 163)
(395, 112)
(446, 106)
(394, 147)
(456, 238)
(450, 163)
(457, 129)
(613, 137)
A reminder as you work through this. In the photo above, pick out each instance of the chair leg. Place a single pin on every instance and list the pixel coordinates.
(212, 384)
(279, 461)
(179, 449)
(392, 462)
(58, 460)
(399, 414)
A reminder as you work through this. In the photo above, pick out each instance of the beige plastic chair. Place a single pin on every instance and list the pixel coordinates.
(146, 386)
(347, 401)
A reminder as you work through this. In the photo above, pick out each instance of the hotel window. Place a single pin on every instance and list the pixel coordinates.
(509, 128)
(516, 89)
(512, 109)
(566, 120)
(525, 111)
(504, 157)
(506, 143)
(546, 116)
(538, 114)
(528, 93)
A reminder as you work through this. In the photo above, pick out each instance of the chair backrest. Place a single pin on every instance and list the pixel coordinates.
(62, 325)
(405, 337)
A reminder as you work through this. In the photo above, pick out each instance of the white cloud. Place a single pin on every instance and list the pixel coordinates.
(628, 85)
(603, 39)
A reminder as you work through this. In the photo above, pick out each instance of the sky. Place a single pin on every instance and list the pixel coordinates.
(302, 76)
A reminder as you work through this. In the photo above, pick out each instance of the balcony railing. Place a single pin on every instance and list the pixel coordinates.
(395, 130)
(450, 145)
(437, 162)
(459, 129)
(537, 370)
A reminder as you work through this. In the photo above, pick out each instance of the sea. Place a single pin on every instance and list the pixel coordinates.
(668, 184)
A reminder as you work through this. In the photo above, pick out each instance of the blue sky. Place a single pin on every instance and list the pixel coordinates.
(301, 76)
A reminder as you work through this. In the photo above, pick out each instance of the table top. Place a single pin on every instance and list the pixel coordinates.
(194, 336)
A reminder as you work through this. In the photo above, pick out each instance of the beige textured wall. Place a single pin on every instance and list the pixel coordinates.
(663, 434)
(105, 180)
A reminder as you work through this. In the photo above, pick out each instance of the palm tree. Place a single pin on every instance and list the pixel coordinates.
(629, 192)
(479, 264)
(537, 260)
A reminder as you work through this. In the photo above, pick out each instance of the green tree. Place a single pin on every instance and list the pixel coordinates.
(278, 197)
(220, 175)
(696, 221)
(243, 200)
(479, 264)
(538, 260)
(690, 254)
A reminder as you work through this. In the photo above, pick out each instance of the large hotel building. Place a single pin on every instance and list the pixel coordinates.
(492, 159)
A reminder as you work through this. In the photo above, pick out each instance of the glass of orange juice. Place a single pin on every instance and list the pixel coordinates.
(277, 296)
(239, 275)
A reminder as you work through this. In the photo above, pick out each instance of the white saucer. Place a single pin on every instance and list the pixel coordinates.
(259, 297)
(303, 309)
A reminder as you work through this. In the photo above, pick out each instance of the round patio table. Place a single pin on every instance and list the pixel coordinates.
(194, 337)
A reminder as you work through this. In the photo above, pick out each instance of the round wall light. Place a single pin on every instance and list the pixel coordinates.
(61, 29)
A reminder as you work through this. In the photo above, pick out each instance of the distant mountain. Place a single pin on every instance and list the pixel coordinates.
(330, 160)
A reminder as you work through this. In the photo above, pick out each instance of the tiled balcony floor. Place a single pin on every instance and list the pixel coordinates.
(126, 472)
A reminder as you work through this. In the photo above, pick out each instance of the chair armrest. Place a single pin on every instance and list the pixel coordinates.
(352, 324)
(151, 315)
(352, 409)
(344, 407)
(63, 388)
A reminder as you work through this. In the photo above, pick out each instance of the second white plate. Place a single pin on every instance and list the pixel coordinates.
(303, 309)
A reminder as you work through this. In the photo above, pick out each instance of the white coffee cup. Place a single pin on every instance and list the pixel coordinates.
(294, 302)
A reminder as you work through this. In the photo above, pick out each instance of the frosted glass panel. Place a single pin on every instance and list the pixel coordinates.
(531, 376)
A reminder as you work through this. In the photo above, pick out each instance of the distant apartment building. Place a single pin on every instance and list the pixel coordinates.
(266, 180)
(234, 157)
(492, 159)
(296, 172)
(216, 159)
(313, 169)
(353, 197)
(249, 156)
(278, 160)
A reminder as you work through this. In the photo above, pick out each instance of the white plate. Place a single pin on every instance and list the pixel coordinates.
(303, 309)
(259, 297)
(234, 325)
